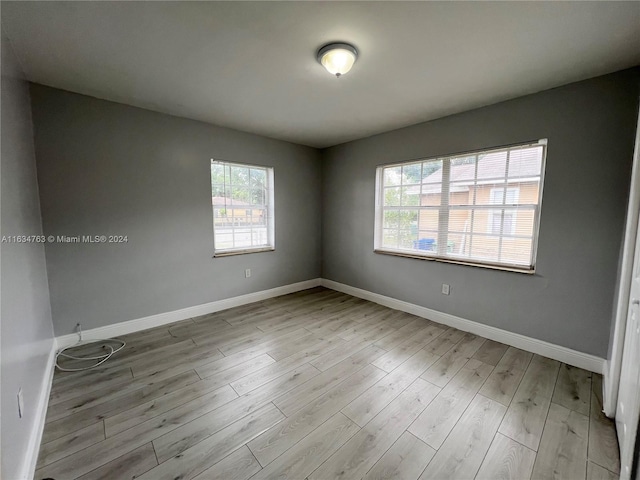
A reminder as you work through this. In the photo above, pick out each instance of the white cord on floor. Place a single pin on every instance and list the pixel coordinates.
(101, 358)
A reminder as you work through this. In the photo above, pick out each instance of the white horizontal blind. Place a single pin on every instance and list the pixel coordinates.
(478, 208)
(242, 201)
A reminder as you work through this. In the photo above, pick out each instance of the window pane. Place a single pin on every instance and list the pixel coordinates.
(390, 237)
(392, 196)
(430, 196)
(428, 220)
(240, 176)
(516, 250)
(391, 219)
(408, 238)
(527, 192)
(460, 220)
(257, 196)
(242, 237)
(460, 195)
(406, 219)
(217, 190)
(411, 174)
(492, 166)
(410, 196)
(432, 172)
(525, 162)
(224, 239)
(524, 223)
(217, 173)
(482, 247)
(511, 196)
(427, 241)
(258, 178)
(240, 196)
(259, 236)
(496, 196)
(259, 217)
(496, 220)
(489, 194)
(504, 195)
(404, 228)
(393, 176)
(463, 170)
(503, 222)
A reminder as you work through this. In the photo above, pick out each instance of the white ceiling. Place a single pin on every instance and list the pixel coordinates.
(251, 65)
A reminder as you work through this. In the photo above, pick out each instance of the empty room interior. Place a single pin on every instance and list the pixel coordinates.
(320, 240)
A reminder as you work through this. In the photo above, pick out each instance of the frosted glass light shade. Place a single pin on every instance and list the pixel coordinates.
(337, 58)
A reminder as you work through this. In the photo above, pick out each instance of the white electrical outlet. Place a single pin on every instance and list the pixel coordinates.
(20, 403)
(445, 289)
(247, 273)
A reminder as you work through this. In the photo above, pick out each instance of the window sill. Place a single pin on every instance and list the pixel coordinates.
(506, 268)
(243, 252)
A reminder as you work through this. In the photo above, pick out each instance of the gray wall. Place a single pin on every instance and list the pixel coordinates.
(106, 168)
(26, 329)
(590, 126)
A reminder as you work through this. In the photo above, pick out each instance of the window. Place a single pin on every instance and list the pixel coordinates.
(500, 220)
(242, 201)
(480, 208)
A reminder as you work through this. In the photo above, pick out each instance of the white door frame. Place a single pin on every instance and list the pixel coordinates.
(613, 365)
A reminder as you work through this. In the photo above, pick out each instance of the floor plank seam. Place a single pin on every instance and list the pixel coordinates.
(155, 453)
(484, 457)
(586, 460)
(602, 466)
(546, 417)
(451, 430)
(520, 382)
(283, 414)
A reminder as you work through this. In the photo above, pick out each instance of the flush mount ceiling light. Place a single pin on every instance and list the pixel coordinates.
(337, 58)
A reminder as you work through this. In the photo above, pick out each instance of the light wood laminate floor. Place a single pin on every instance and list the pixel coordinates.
(321, 385)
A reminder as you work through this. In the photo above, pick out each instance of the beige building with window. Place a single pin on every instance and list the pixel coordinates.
(499, 221)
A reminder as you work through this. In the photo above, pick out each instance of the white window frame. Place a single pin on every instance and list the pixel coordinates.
(441, 254)
(267, 207)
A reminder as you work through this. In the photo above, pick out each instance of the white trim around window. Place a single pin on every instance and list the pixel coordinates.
(242, 199)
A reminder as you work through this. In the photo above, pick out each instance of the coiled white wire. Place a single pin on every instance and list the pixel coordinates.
(101, 358)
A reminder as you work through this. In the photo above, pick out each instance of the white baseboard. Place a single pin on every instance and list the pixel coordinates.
(609, 397)
(33, 448)
(123, 328)
(557, 352)
(546, 349)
